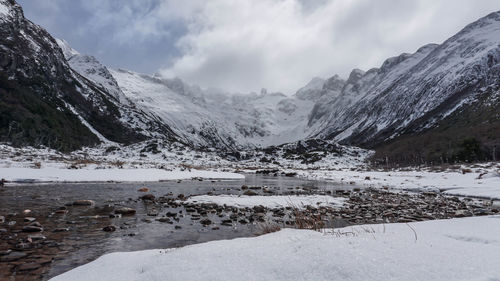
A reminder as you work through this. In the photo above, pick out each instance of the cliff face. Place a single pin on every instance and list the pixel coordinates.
(43, 101)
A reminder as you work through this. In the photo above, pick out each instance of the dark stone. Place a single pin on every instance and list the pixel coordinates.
(12, 256)
(148, 197)
(250, 193)
(167, 220)
(29, 266)
(109, 228)
(125, 211)
(30, 228)
(83, 203)
(206, 222)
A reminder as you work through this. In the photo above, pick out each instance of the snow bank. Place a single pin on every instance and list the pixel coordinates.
(50, 174)
(269, 201)
(456, 183)
(457, 249)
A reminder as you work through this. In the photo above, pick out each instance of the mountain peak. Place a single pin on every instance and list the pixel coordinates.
(67, 50)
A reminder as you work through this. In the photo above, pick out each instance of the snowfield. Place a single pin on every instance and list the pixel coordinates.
(268, 201)
(480, 182)
(87, 175)
(456, 249)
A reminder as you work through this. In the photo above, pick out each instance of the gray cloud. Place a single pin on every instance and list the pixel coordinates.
(247, 44)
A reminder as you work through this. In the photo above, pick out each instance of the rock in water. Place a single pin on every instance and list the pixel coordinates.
(83, 203)
(125, 211)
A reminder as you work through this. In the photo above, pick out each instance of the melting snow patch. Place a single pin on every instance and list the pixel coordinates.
(269, 201)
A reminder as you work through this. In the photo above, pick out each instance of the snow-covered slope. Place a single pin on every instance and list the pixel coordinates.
(210, 118)
(422, 88)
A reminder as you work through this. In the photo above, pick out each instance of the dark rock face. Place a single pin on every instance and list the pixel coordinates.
(41, 96)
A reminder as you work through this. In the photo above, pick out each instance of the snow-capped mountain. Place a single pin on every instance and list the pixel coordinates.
(412, 92)
(203, 118)
(44, 101)
(58, 97)
(214, 118)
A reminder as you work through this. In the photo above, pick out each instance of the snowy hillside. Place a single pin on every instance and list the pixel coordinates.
(425, 86)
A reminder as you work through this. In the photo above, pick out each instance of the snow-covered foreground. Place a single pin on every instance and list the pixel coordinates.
(484, 182)
(52, 174)
(457, 249)
(269, 201)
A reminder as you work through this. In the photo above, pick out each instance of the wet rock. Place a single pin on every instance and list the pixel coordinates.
(83, 203)
(244, 187)
(152, 213)
(35, 223)
(6, 252)
(109, 228)
(32, 228)
(61, 229)
(177, 227)
(167, 220)
(171, 214)
(215, 228)
(259, 209)
(148, 197)
(125, 211)
(249, 193)
(29, 219)
(205, 222)
(12, 256)
(29, 266)
(61, 212)
(37, 237)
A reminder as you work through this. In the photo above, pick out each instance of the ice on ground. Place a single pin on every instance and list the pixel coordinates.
(269, 201)
(456, 249)
(87, 175)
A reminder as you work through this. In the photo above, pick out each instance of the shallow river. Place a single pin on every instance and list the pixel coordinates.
(85, 240)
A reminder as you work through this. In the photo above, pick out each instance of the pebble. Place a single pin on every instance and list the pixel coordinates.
(109, 228)
(83, 203)
(125, 211)
(31, 228)
(12, 256)
(29, 266)
(148, 197)
(249, 193)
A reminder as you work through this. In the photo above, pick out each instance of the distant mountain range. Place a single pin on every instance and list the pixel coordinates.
(440, 104)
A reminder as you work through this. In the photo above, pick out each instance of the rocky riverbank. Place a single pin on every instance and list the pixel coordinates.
(33, 240)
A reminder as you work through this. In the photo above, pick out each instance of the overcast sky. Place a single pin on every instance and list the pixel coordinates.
(245, 45)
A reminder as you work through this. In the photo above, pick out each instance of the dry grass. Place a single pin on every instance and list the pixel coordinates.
(265, 228)
(117, 163)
